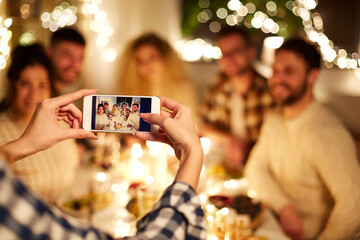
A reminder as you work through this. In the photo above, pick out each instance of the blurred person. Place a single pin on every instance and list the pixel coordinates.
(134, 117)
(237, 100)
(177, 215)
(67, 54)
(101, 119)
(304, 165)
(150, 66)
(115, 110)
(107, 110)
(30, 80)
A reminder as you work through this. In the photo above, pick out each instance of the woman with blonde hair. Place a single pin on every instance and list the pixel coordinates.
(150, 66)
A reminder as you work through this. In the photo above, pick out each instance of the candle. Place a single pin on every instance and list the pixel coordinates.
(159, 152)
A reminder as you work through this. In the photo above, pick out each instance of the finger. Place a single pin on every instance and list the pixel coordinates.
(73, 110)
(70, 97)
(165, 114)
(168, 103)
(152, 118)
(152, 137)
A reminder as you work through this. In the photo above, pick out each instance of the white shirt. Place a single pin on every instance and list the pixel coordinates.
(310, 162)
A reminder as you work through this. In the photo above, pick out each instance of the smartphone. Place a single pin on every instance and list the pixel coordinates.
(119, 113)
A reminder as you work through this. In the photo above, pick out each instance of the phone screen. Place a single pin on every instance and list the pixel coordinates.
(119, 113)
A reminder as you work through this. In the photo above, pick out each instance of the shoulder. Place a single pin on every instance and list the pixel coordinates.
(325, 128)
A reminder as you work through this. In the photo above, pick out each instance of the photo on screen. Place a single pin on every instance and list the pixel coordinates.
(119, 113)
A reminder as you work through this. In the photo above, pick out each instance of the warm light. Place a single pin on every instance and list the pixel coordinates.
(205, 144)
(225, 211)
(101, 177)
(273, 42)
(154, 147)
(256, 22)
(149, 180)
(251, 194)
(234, 5)
(215, 27)
(171, 152)
(210, 208)
(203, 198)
(122, 228)
(250, 7)
(221, 13)
(136, 151)
(8, 22)
(109, 55)
(61, 16)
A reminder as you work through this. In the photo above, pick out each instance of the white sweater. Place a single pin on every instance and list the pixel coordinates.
(310, 162)
(49, 172)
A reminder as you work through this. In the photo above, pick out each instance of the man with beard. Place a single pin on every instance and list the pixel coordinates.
(67, 54)
(235, 104)
(304, 165)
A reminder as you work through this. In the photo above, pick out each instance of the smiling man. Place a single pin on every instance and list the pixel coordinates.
(67, 54)
(304, 165)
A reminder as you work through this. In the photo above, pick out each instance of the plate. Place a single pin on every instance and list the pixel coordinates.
(82, 205)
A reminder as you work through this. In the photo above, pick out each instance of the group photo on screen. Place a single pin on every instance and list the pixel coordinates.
(116, 113)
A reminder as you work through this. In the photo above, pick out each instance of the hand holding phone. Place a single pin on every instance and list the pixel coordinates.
(119, 113)
(177, 128)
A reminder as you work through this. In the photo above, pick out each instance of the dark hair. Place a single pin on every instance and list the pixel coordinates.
(305, 50)
(106, 104)
(136, 104)
(228, 30)
(100, 105)
(68, 35)
(22, 57)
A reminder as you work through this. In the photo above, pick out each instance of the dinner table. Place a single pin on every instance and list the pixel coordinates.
(108, 197)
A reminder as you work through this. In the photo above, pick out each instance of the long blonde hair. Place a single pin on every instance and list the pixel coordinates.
(131, 82)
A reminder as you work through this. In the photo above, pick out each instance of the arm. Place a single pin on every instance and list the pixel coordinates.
(339, 168)
(178, 214)
(261, 179)
(39, 221)
(178, 130)
(44, 130)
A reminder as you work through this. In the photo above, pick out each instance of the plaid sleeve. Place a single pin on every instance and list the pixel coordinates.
(177, 215)
(24, 216)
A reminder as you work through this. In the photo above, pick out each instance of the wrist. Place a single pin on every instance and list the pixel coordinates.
(16, 150)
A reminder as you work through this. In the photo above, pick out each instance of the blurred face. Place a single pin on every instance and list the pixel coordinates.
(124, 106)
(32, 87)
(134, 108)
(100, 110)
(289, 81)
(150, 64)
(67, 58)
(237, 55)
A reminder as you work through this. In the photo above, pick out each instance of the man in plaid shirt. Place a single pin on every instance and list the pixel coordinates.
(177, 215)
(236, 102)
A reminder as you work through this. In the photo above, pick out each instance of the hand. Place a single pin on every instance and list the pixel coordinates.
(178, 130)
(44, 130)
(291, 223)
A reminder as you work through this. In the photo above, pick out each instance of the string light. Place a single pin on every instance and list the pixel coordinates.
(313, 27)
(101, 26)
(312, 22)
(62, 15)
(5, 36)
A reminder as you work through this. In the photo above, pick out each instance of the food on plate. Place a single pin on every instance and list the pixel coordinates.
(83, 203)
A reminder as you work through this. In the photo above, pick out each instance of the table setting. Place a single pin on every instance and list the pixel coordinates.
(115, 197)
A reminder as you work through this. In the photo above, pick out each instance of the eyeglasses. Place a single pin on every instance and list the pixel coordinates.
(234, 52)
